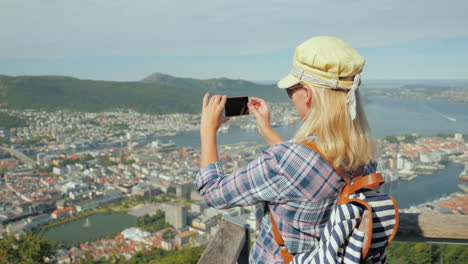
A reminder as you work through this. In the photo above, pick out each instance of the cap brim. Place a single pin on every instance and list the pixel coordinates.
(288, 81)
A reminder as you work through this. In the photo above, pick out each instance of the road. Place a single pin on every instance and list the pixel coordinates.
(25, 159)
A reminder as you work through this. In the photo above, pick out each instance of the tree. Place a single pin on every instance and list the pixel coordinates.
(456, 254)
(87, 258)
(391, 139)
(422, 254)
(186, 196)
(27, 248)
(168, 234)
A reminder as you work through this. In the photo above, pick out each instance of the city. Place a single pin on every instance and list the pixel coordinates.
(65, 166)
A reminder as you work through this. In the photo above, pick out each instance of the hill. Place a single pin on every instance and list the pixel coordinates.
(156, 94)
(220, 85)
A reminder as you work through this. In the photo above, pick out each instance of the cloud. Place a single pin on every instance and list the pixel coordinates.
(55, 29)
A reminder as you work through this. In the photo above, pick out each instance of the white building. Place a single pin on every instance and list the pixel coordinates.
(59, 171)
(458, 137)
(134, 233)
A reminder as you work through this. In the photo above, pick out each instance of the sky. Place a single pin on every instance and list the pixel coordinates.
(126, 40)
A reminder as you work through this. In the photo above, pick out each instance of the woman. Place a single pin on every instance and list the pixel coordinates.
(297, 185)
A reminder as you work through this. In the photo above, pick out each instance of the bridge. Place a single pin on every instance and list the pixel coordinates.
(231, 242)
(19, 155)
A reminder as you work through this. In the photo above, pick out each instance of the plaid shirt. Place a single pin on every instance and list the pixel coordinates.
(297, 185)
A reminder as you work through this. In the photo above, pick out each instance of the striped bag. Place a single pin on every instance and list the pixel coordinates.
(342, 240)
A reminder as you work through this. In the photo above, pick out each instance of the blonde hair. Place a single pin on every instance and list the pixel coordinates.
(345, 142)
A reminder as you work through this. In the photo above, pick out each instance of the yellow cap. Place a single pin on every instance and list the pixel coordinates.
(322, 61)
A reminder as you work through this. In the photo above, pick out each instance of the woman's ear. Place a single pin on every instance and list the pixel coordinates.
(308, 95)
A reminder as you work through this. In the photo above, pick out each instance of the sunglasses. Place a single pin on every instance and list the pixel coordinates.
(292, 89)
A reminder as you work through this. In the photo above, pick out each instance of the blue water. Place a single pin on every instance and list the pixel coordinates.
(387, 117)
(390, 116)
(425, 188)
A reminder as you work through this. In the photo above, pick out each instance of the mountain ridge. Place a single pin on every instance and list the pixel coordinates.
(157, 93)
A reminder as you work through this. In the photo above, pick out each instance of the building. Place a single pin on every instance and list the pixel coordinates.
(62, 212)
(59, 171)
(175, 214)
(185, 238)
(459, 137)
(134, 233)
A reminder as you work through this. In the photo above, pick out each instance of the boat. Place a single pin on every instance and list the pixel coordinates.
(248, 127)
(450, 118)
(163, 145)
(407, 177)
(463, 187)
(224, 128)
(464, 174)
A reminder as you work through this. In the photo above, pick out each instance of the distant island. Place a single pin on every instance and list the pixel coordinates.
(425, 92)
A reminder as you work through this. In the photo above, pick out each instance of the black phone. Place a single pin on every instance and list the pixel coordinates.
(236, 106)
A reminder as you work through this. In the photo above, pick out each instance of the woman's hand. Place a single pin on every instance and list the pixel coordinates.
(260, 109)
(211, 118)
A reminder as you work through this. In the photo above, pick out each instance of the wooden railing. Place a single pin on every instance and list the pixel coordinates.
(437, 228)
(230, 243)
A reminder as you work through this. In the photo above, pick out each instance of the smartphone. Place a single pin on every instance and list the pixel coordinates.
(236, 106)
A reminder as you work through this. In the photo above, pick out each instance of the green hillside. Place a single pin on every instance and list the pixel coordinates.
(153, 95)
(221, 85)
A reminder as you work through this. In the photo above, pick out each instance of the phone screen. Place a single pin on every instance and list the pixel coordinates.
(236, 106)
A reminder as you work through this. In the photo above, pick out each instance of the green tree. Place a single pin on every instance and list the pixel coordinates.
(27, 248)
(391, 139)
(168, 234)
(186, 196)
(152, 223)
(9, 121)
(87, 258)
(456, 254)
(422, 253)
(412, 253)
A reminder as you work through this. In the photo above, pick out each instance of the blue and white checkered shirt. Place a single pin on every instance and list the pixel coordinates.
(298, 186)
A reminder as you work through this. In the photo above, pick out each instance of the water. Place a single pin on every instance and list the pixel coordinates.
(425, 188)
(97, 226)
(379, 84)
(390, 116)
(387, 117)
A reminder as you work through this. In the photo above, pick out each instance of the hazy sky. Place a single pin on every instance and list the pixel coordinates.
(254, 40)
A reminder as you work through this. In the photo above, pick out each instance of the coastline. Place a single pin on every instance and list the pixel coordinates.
(437, 206)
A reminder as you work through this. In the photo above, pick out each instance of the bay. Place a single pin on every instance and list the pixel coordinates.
(387, 117)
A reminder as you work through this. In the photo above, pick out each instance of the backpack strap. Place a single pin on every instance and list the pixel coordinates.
(370, 181)
(312, 145)
(288, 257)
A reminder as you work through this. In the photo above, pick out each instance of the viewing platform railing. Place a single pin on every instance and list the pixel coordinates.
(231, 242)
